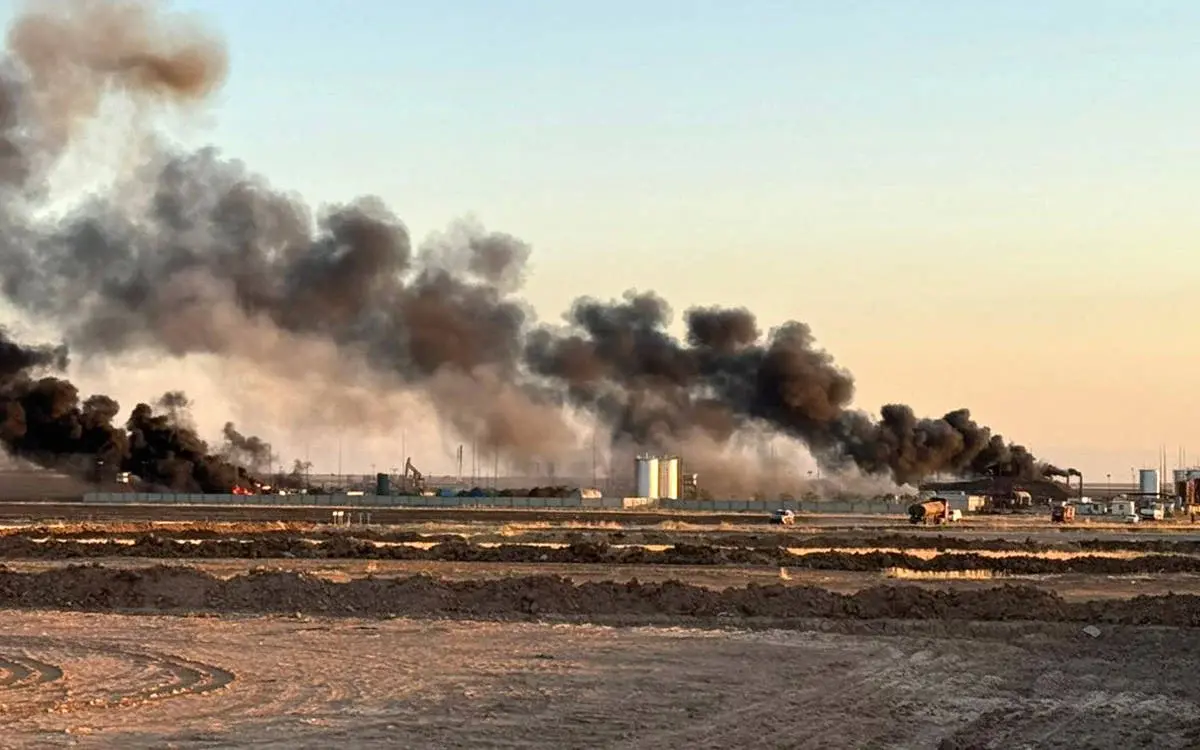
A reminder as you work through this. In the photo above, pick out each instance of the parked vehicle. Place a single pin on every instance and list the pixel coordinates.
(1062, 513)
(1154, 512)
(929, 512)
(784, 517)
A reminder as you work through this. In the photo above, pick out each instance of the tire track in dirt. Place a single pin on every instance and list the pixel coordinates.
(1056, 709)
(841, 681)
(118, 677)
(23, 672)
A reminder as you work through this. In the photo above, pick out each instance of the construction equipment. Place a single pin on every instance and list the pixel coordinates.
(411, 473)
(1062, 513)
(929, 512)
(689, 486)
(1188, 491)
(784, 517)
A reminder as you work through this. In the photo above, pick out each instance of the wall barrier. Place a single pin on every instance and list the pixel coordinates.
(833, 507)
(343, 501)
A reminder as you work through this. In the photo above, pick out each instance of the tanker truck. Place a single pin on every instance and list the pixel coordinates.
(929, 512)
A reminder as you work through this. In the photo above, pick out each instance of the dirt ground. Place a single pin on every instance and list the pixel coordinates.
(427, 635)
(93, 681)
(674, 553)
(1013, 527)
(1071, 587)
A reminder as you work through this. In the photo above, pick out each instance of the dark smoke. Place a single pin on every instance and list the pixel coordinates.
(246, 450)
(194, 254)
(619, 360)
(44, 421)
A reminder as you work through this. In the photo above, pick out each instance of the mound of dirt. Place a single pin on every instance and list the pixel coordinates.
(182, 589)
(454, 549)
(270, 534)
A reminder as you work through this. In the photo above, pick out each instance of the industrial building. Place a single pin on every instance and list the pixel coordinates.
(1042, 491)
(956, 500)
(1187, 486)
(656, 477)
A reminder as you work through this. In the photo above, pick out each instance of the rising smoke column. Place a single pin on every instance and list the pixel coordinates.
(45, 421)
(618, 359)
(192, 253)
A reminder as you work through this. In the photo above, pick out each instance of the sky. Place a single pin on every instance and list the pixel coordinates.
(984, 204)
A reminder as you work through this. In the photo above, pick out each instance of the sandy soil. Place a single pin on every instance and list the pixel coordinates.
(731, 657)
(1039, 526)
(91, 681)
(1072, 587)
(854, 558)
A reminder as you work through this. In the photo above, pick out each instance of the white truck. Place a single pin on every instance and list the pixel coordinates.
(1152, 512)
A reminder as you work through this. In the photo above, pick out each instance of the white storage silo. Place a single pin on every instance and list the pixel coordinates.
(1148, 481)
(647, 476)
(668, 484)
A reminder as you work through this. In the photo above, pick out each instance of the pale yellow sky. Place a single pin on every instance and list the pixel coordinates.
(979, 205)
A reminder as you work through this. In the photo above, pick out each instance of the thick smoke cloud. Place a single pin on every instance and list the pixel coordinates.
(192, 253)
(618, 359)
(45, 421)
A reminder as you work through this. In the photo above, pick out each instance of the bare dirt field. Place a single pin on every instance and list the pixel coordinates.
(560, 632)
(82, 680)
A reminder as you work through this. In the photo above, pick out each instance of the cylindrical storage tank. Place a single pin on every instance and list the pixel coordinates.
(668, 483)
(647, 476)
(1148, 481)
(383, 484)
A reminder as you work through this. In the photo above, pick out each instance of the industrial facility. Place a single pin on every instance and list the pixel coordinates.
(657, 477)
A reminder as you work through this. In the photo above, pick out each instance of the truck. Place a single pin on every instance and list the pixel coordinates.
(929, 512)
(784, 517)
(1062, 513)
(1014, 501)
(1152, 512)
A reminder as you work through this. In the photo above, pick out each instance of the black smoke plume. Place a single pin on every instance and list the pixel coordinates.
(45, 421)
(192, 253)
(246, 450)
(618, 359)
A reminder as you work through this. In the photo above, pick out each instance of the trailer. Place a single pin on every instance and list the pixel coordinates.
(929, 512)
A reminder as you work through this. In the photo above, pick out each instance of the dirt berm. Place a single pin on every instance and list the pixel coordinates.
(154, 547)
(269, 533)
(173, 589)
